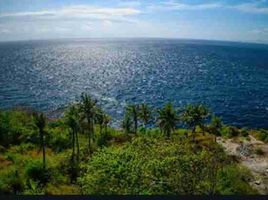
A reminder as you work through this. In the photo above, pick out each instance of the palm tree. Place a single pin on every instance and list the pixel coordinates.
(87, 108)
(72, 121)
(144, 114)
(167, 119)
(127, 124)
(194, 115)
(40, 123)
(133, 111)
(215, 126)
(106, 121)
(103, 120)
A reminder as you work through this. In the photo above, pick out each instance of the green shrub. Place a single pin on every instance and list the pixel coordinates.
(263, 136)
(58, 139)
(34, 170)
(148, 166)
(15, 126)
(32, 188)
(229, 131)
(233, 180)
(244, 132)
(11, 182)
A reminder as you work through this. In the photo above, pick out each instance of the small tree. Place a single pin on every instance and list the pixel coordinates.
(103, 120)
(40, 123)
(133, 111)
(87, 108)
(167, 119)
(194, 115)
(144, 114)
(127, 124)
(72, 121)
(215, 126)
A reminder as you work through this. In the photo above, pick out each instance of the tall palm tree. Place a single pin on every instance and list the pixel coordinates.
(215, 126)
(103, 120)
(194, 115)
(100, 117)
(106, 121)
(72, 121)
(133, 111)
(40, 123)
(167, 119)
(88, 107)
(144, 114)
(127, 124)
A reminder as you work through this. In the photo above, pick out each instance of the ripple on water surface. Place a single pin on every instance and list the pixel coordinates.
(231, 78)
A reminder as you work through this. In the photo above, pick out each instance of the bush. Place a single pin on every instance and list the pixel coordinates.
(149, 166)
(233, 180)
(244, 132)
(32, 188)
(11, 182)
(34, 170)
(58, 139)
(229, 131)
(15, 126)
(263, 136)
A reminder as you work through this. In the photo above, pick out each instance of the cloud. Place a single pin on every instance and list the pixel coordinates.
(172, 5)
(75, 12)
(253, 7)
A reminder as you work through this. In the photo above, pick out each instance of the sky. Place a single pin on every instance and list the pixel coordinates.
(232, 20)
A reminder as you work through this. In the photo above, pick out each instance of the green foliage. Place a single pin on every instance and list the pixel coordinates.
(244, 132)
(15, 127)
(11, 182)
(167, 119)
(215, 125)
(229, 131)
(145, 114)
(263, 135)
(117, 163)
(33, 188)
(34, 170)
(58, 139)
(151, 166)
(195, 115)
(133, 113)
(127, 123)
(233, 180)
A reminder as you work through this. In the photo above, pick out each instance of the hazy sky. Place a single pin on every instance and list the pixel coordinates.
(235, 20)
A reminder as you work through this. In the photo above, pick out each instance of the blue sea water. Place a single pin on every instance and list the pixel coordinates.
(231, 78)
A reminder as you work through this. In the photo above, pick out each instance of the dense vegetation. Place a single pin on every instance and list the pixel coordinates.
(81, 154)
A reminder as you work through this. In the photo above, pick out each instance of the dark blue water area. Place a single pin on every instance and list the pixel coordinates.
(231, 78)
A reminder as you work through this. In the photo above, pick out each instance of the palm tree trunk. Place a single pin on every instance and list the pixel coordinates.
(168, 133)
(89, 133)
(43, 149)
(193, 133)
(77, 146)
(73, 143)
(92, 130)
(105, 130)
(135, 125)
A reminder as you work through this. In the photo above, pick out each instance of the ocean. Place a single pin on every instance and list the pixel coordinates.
(231, 78)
